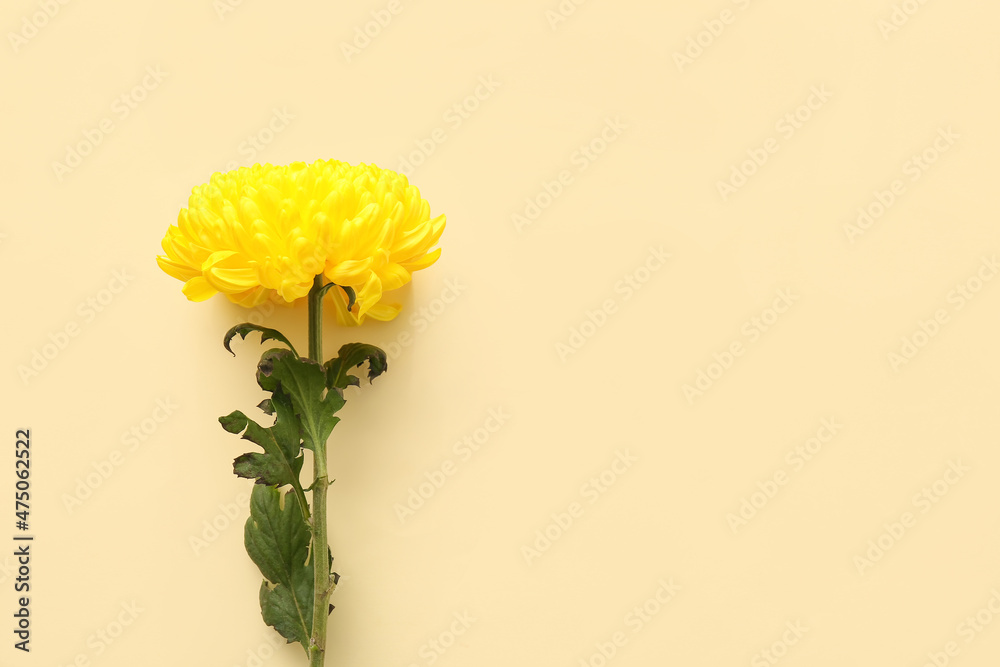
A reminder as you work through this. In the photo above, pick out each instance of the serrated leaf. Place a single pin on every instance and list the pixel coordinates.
(282, 459)
(263, 468)
(304, 380)
(277, 540)
(243, 330)
(234, 422)
(264, 378)
(350, 356)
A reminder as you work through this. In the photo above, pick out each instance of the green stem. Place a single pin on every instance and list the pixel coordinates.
(321, 566)
(300, 495)
(316, 320)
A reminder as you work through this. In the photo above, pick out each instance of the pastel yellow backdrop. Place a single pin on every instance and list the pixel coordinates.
(715, 307)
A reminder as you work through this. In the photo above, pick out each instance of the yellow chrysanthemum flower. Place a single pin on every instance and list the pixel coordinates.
(265, 232)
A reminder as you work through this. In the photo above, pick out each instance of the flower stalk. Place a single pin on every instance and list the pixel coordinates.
(289, 543)
(321, 483)
(263, 232)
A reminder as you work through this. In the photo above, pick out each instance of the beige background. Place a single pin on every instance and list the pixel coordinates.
(278, 72)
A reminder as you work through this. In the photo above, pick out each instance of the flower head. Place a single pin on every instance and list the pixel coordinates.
(265, 232)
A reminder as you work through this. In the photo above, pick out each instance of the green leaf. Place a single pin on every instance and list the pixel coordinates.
(234, 422)
(349, 356)
(266, 334)
(324, 289)
(281, 461)
(352, 297)
(349, 291)
(304, 380)
(264, 366)
(263, 468)
(277, 539)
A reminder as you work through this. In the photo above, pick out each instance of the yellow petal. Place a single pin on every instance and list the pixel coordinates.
(265, 231)
(350, 272)
(250, 298)
(344, 318)
(422, 262)
(384, 311)
(176, 270)
(198, 289)
(369, 294)
(393, 276)
(232, 281)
